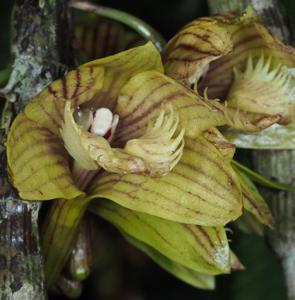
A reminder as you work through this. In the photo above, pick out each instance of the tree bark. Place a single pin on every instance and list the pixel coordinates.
(40, 48)
(278, 164)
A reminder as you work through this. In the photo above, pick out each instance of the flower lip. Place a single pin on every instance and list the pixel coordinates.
(262, 87)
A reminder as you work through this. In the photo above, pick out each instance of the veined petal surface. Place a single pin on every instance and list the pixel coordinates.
(38, 162)
(203, 249)
(196, 279)
(147, 93)
(202, 189)
(45, 113)
(253, 201)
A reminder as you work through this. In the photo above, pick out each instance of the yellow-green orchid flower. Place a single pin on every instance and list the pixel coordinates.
(237, 60)
(117, 128)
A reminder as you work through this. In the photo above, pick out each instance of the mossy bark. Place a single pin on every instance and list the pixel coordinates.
(41, 49)
(278, 164)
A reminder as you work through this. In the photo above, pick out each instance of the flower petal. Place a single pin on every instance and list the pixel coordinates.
(155, 153)
(203, 249)
(261, 88)
(188, 53)
(253, 201)
(215, 137)
(97, 83)
(37, 162)
(196, 279)
(144, 96)
(92, 151)
(249, 39)
(202, 189)
(237, 40)
(78, 86)
(121, 67)
(249, 224)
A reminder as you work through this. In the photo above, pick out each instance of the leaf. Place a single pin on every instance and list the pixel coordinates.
(189, 276)
(261, 179)
(253, 201)
(38, 165)
(202, 189)
(202, 249)
(4, 76)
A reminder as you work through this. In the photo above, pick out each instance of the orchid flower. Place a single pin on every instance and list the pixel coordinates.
(117, 128)
(238, 61)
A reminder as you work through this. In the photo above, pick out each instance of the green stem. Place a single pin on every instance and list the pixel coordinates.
(138, 25)
(58, 233)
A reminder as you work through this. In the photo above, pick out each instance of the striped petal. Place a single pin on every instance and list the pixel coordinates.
(253, 201)
(78, 86)
(188, 54)
(202, 249)
(144, 96)
(38, 163)
(202, 189)
(94, 83)
(250, 39)
(263, 90)
(98, 37)
(155, 153)
(215, 137)
(249, 224)
(121, 67)
(189, 276)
